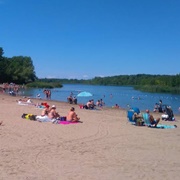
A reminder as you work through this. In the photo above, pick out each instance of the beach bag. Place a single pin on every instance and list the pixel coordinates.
(139, 122)
(29, 116)
(58, 120)
(63, 118)
(164, 116)
(32, 117)
(23, 115)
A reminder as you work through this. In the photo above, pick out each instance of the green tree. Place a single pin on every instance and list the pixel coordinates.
(2, 65)
(21, 69)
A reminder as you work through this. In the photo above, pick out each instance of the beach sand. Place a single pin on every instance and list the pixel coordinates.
(104, 147)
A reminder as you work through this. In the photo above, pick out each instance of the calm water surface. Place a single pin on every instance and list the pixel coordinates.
(111, 95)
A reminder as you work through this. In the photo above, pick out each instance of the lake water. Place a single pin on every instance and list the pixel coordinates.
(111, 95)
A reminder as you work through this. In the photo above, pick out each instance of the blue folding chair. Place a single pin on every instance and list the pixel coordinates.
(130, 114)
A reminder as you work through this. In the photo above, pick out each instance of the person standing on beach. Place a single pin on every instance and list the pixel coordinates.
(49, 94)
(45, 93)
(160, 106)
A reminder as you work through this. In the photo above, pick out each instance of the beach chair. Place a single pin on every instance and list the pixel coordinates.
(146, 120)
(130, 114)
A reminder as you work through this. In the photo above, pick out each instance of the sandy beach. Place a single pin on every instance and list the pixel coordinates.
(104, 147)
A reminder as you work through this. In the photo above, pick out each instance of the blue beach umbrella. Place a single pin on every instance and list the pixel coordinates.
(84, 94)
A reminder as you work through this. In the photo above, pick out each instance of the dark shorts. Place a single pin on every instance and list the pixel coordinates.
(154, 122)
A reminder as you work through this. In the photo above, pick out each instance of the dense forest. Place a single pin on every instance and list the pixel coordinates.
(20, 70)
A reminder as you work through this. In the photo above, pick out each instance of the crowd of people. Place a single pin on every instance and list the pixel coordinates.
(12, 88)
(50, 114)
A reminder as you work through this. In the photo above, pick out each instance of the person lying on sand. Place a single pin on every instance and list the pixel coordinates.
(25, 102)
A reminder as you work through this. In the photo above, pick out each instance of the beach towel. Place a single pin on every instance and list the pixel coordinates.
(164, 126)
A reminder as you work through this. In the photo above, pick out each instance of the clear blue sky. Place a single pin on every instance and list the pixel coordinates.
(87, 38)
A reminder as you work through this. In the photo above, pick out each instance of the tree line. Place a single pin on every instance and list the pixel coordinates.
(17, 69)
(20, 70)
(143, 82)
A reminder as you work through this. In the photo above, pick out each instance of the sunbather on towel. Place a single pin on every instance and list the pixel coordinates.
(152, 120)
(72, 116)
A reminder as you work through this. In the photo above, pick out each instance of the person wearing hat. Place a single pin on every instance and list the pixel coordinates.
(52, 113)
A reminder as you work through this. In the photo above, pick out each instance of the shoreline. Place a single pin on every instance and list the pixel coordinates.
(37, 100)
(104, 107)
(143, 104)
